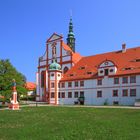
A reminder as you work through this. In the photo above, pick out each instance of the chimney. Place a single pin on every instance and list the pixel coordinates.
(123, 48)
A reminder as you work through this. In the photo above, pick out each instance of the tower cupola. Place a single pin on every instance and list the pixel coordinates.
(54, 66)
(71, 38)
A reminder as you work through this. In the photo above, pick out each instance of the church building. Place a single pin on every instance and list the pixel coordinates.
(64, 76)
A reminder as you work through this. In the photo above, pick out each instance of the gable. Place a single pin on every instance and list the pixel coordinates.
(106, 63)
(54, 37)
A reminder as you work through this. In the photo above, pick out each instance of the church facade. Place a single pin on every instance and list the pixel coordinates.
(64, 76)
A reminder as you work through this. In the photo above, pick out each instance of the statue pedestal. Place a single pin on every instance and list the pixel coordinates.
(14, 105)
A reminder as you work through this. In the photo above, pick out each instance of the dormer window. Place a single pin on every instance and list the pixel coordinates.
(106, 72)
(89, 72)
(101, 71)
(128, 68)
(111, 70)
(81, 68)
(107, 68)
(137, 60)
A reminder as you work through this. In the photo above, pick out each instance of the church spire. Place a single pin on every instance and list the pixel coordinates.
(70, 38)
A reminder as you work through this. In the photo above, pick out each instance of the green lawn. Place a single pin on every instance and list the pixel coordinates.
(69, 123)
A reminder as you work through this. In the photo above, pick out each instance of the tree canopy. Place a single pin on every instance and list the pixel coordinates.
(7, 73)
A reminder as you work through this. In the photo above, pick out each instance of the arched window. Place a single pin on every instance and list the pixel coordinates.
(42, 78)
(65, 69)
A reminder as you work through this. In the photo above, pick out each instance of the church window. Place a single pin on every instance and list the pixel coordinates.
(65, 69)
(42, 78)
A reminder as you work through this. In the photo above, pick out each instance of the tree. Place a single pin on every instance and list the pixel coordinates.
(7, 74)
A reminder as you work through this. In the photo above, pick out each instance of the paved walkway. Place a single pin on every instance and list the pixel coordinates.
(4, 108)
(86, 106)
(127, 107)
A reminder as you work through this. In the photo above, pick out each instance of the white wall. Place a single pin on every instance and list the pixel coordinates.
(90, 91)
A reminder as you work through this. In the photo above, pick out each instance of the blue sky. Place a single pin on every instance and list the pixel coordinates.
(99, 26)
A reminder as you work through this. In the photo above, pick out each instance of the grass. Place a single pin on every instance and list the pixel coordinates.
(69, 123)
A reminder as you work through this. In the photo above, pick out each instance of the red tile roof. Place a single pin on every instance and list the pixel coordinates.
(66, 47)
(75, 56)
(30, 85)
(89, 64)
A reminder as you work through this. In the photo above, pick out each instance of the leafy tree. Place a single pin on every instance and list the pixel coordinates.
(7, 74)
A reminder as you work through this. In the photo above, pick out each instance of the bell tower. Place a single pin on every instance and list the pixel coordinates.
(71, 38)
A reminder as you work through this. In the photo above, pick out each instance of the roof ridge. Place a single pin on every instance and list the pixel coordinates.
(111, 52)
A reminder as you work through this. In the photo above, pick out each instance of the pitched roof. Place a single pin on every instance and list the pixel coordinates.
(66, 47)
(127, 63)
(75, 56)
(30, 85)
(54, 37)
